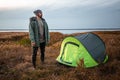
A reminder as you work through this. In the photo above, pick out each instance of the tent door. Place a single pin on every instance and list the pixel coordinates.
(69, 53)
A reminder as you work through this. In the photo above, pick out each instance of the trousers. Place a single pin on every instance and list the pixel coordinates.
(34, 54)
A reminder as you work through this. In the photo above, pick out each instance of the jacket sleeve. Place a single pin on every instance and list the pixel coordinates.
(48, 32)
(31, 32)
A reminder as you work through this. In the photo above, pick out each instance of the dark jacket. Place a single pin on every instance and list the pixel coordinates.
(34, 31)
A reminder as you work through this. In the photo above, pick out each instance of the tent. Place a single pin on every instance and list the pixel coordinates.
(88, 49)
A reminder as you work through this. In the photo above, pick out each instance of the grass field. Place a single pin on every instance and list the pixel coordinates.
(16, 52)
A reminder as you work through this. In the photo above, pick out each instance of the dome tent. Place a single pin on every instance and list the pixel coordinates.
(87, 47)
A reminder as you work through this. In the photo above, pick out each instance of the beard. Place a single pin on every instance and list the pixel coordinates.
(40, 16)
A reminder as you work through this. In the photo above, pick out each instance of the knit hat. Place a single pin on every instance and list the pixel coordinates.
(37, 11)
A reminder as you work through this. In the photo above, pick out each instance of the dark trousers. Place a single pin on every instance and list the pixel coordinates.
(35, 49)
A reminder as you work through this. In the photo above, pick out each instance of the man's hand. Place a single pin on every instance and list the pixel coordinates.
(33, 43)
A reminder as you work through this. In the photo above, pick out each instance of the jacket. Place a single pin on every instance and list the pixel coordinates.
(34, 31)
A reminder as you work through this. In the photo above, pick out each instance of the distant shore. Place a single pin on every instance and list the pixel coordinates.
(65, 31)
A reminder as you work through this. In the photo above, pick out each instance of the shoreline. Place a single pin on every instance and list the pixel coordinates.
(65, 31)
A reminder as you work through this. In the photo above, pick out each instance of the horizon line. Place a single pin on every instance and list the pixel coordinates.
(73, 29)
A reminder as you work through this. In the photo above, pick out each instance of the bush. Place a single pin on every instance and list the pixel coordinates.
(24, 42)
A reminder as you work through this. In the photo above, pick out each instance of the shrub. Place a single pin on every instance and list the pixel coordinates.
(24, 42)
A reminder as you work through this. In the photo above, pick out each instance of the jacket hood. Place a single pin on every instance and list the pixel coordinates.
(35, 19)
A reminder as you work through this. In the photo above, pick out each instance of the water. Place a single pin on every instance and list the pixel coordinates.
(14, 30)
(65, 31)
(70, 31)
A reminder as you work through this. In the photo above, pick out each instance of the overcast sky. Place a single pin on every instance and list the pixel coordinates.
(15, 14)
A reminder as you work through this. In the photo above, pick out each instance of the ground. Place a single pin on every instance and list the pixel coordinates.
(16, 52)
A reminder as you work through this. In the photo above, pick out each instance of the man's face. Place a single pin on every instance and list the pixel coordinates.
(39, 15)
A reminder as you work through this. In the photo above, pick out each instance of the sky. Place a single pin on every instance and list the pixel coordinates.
(61, 14)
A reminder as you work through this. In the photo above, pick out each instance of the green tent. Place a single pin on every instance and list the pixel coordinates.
(88, 49)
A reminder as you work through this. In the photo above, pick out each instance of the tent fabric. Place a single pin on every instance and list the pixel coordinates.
(87, 47)
(93, 44)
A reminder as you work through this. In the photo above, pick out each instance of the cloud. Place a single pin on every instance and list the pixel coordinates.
(82, 3)
(84, 13)
(54, 4)
(14, 4)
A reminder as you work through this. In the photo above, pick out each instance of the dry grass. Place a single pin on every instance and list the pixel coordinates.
(15, 59)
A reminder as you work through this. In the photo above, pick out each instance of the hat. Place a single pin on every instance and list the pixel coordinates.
(37, 11)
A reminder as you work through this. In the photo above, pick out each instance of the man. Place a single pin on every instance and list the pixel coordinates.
(39, 35)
